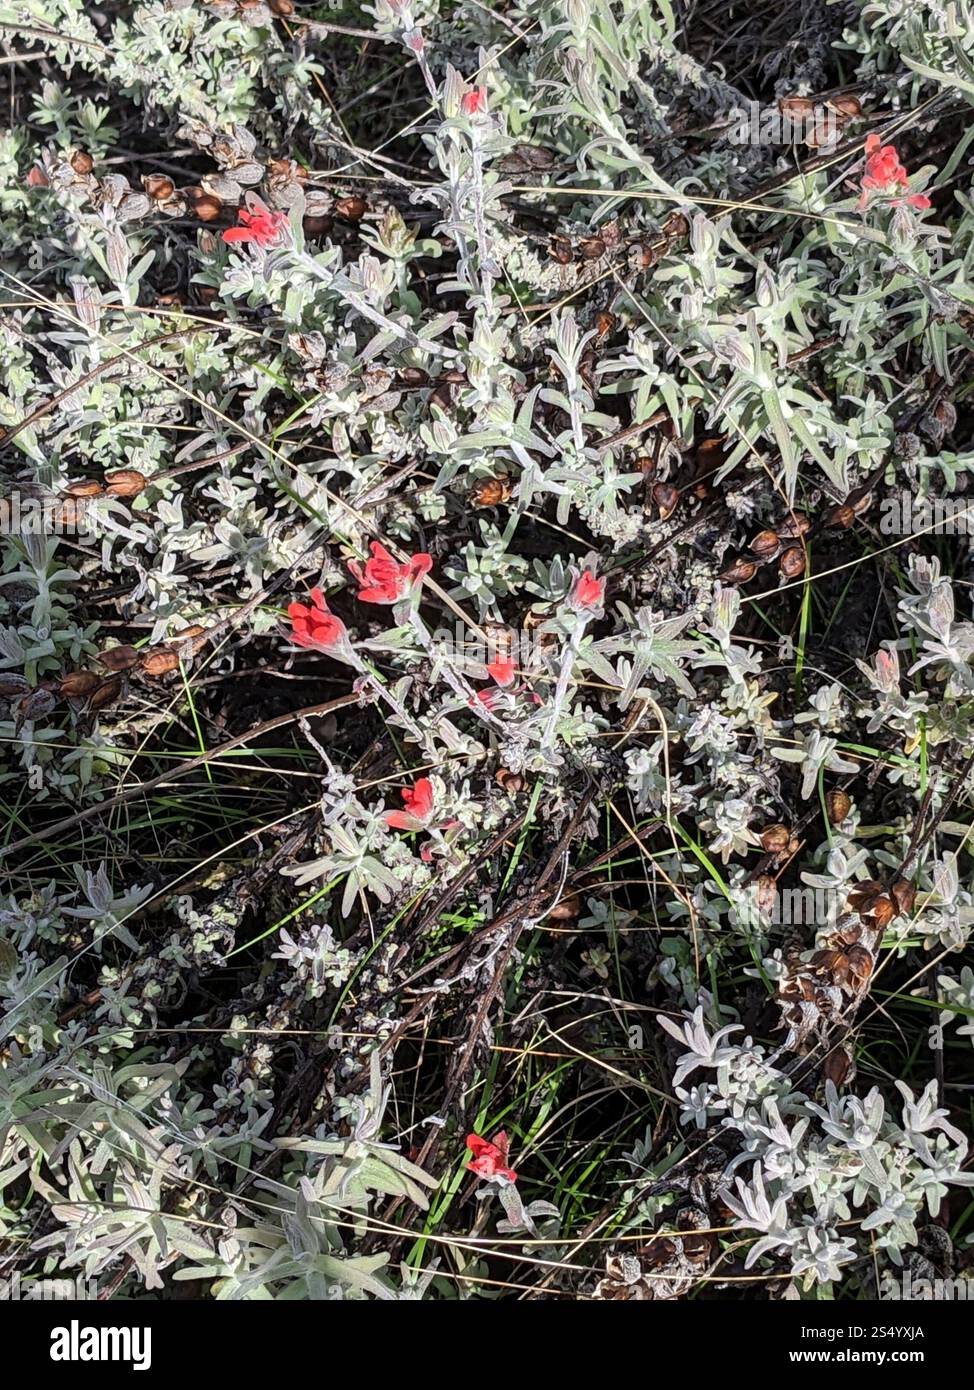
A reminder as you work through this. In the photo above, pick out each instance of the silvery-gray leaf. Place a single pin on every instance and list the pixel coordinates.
(222, 186)
(248, 173)
(114, 188)
(116, 253)
(246, 141)
(133, 206)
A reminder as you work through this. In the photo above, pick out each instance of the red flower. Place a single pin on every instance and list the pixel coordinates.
(384, 580)
(263, 226)
(314, 625)
(588, 591)
(490, 1158)
(475, 103)
(502, 670)
(884, 174)
(419, 807)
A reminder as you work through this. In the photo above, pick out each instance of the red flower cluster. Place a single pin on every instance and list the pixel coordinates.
(502, 670)
(384, 580)
(475, 103)
(419, 807)
(490, 1157)
(588, 591)
(418, 814)
(313, 625)
(884, 173)
(262, 226)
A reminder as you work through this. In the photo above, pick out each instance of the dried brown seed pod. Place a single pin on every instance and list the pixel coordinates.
(863, 896)
(605, 323)
(645, 464)
(659, 1251)
(190, 641)
(106, 693)
(159, 187)
(282, 8)
(160, 662)
(904, 895)
(88, 487)
(864, 890)
(739, 572)
(945, 413)
(35, 704)
(830, 961)
(591, 248)
(493, 491)
(12, 684)
(791, 564)
(790, 988)
(71, 513)
(847, 106)
(287, 171)
(699, 1248)
(78, 685)
(125, 482)
(838, 804)
(882, 911)
(675, 225)
(352, 209)
(566, 910)
(170, 301)
(775, 838)
(796, 108)
(643, 255)
(206, 206)
(667, 498)
(765, 545)
(413, 376)
(846, 933)
(317, 226)
(794, 525)
(561, 250)
(860, 964)
(512, 782)
(119, 658)
(81, 162)
(206, 293)
(842, 516)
